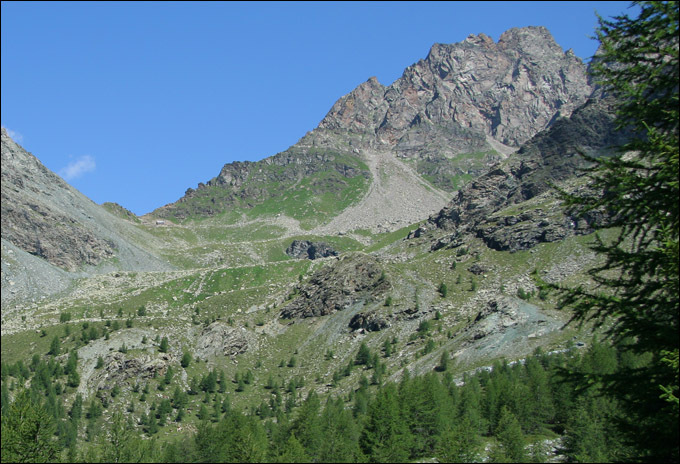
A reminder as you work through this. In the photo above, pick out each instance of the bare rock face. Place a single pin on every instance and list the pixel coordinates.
(304, 249)
(548, 158)
(121, 370)
(333, 288)
(508, 90)
(33, 223)
(218, 339)
(370, 321)
(52, 233)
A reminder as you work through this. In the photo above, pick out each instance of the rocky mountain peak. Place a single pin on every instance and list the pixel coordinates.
(509, 90)
(531, 40)
(359, 110)
(448, 118)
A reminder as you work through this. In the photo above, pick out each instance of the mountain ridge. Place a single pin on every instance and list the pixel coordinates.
(218, 277)
(445, 120)
(44, 216)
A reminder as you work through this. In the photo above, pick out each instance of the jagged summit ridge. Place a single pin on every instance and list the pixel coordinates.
(509, 90)
(447, 119)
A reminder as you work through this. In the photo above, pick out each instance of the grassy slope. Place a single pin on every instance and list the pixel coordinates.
(178, 304)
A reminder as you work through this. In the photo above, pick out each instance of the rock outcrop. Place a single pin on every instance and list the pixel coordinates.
(549, 158)
(304, 249)
(218, 339)
(349, 280)
(369, 321)
(36, 226)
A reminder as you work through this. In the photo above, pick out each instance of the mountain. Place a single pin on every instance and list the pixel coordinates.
(44, 217)
(385, 157)
(553, 157)
(408, 224)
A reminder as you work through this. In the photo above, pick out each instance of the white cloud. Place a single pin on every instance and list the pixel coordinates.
(16, 136)
(77, 168)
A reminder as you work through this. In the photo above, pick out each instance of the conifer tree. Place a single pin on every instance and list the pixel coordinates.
(55, 346)
(27, 432)
(638, 283)
(293, 451)
(461, 443)
(307, 424)
(386, 437)
(163, 347)
(186, 359)
(364, 355)
(444, 362)
(510, 438)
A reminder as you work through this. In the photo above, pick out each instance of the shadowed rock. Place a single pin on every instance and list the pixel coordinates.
(304, 249)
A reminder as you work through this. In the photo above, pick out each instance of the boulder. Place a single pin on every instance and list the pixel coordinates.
(304, 249)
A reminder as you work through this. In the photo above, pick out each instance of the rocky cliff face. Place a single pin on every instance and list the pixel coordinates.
(45, 217)
(508, 90)
(33, 224)
(552, 156)
(351, 279)
(304, 249)
(463, 107)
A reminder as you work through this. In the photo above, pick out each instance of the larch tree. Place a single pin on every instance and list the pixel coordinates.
(636, 287)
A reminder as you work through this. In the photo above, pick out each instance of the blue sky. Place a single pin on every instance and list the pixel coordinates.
(134, 102)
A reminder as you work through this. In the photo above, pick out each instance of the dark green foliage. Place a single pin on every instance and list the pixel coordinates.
(163, 347)
(186, 359)
(209, 382)
(120, 443)
(237, 438)
(460, 443)
(511, 442)
(424, 327)
(387, 348)
(443, 290)
(55, 346)
(523, 294)
(444, 362)
(363, 356)
(222, 381)
(386, 437)
(637, 285)
(420, 418)
(94, 411)
(76, 411)
(340, 435)
(293, 451)
(27, 431)
(429, 346)
(73, 378)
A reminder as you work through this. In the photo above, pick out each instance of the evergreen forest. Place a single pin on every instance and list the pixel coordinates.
(611, 398)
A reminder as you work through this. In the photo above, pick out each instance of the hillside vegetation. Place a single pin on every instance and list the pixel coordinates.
(405, 284)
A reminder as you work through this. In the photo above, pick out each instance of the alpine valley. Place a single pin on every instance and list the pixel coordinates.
(413, 224)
